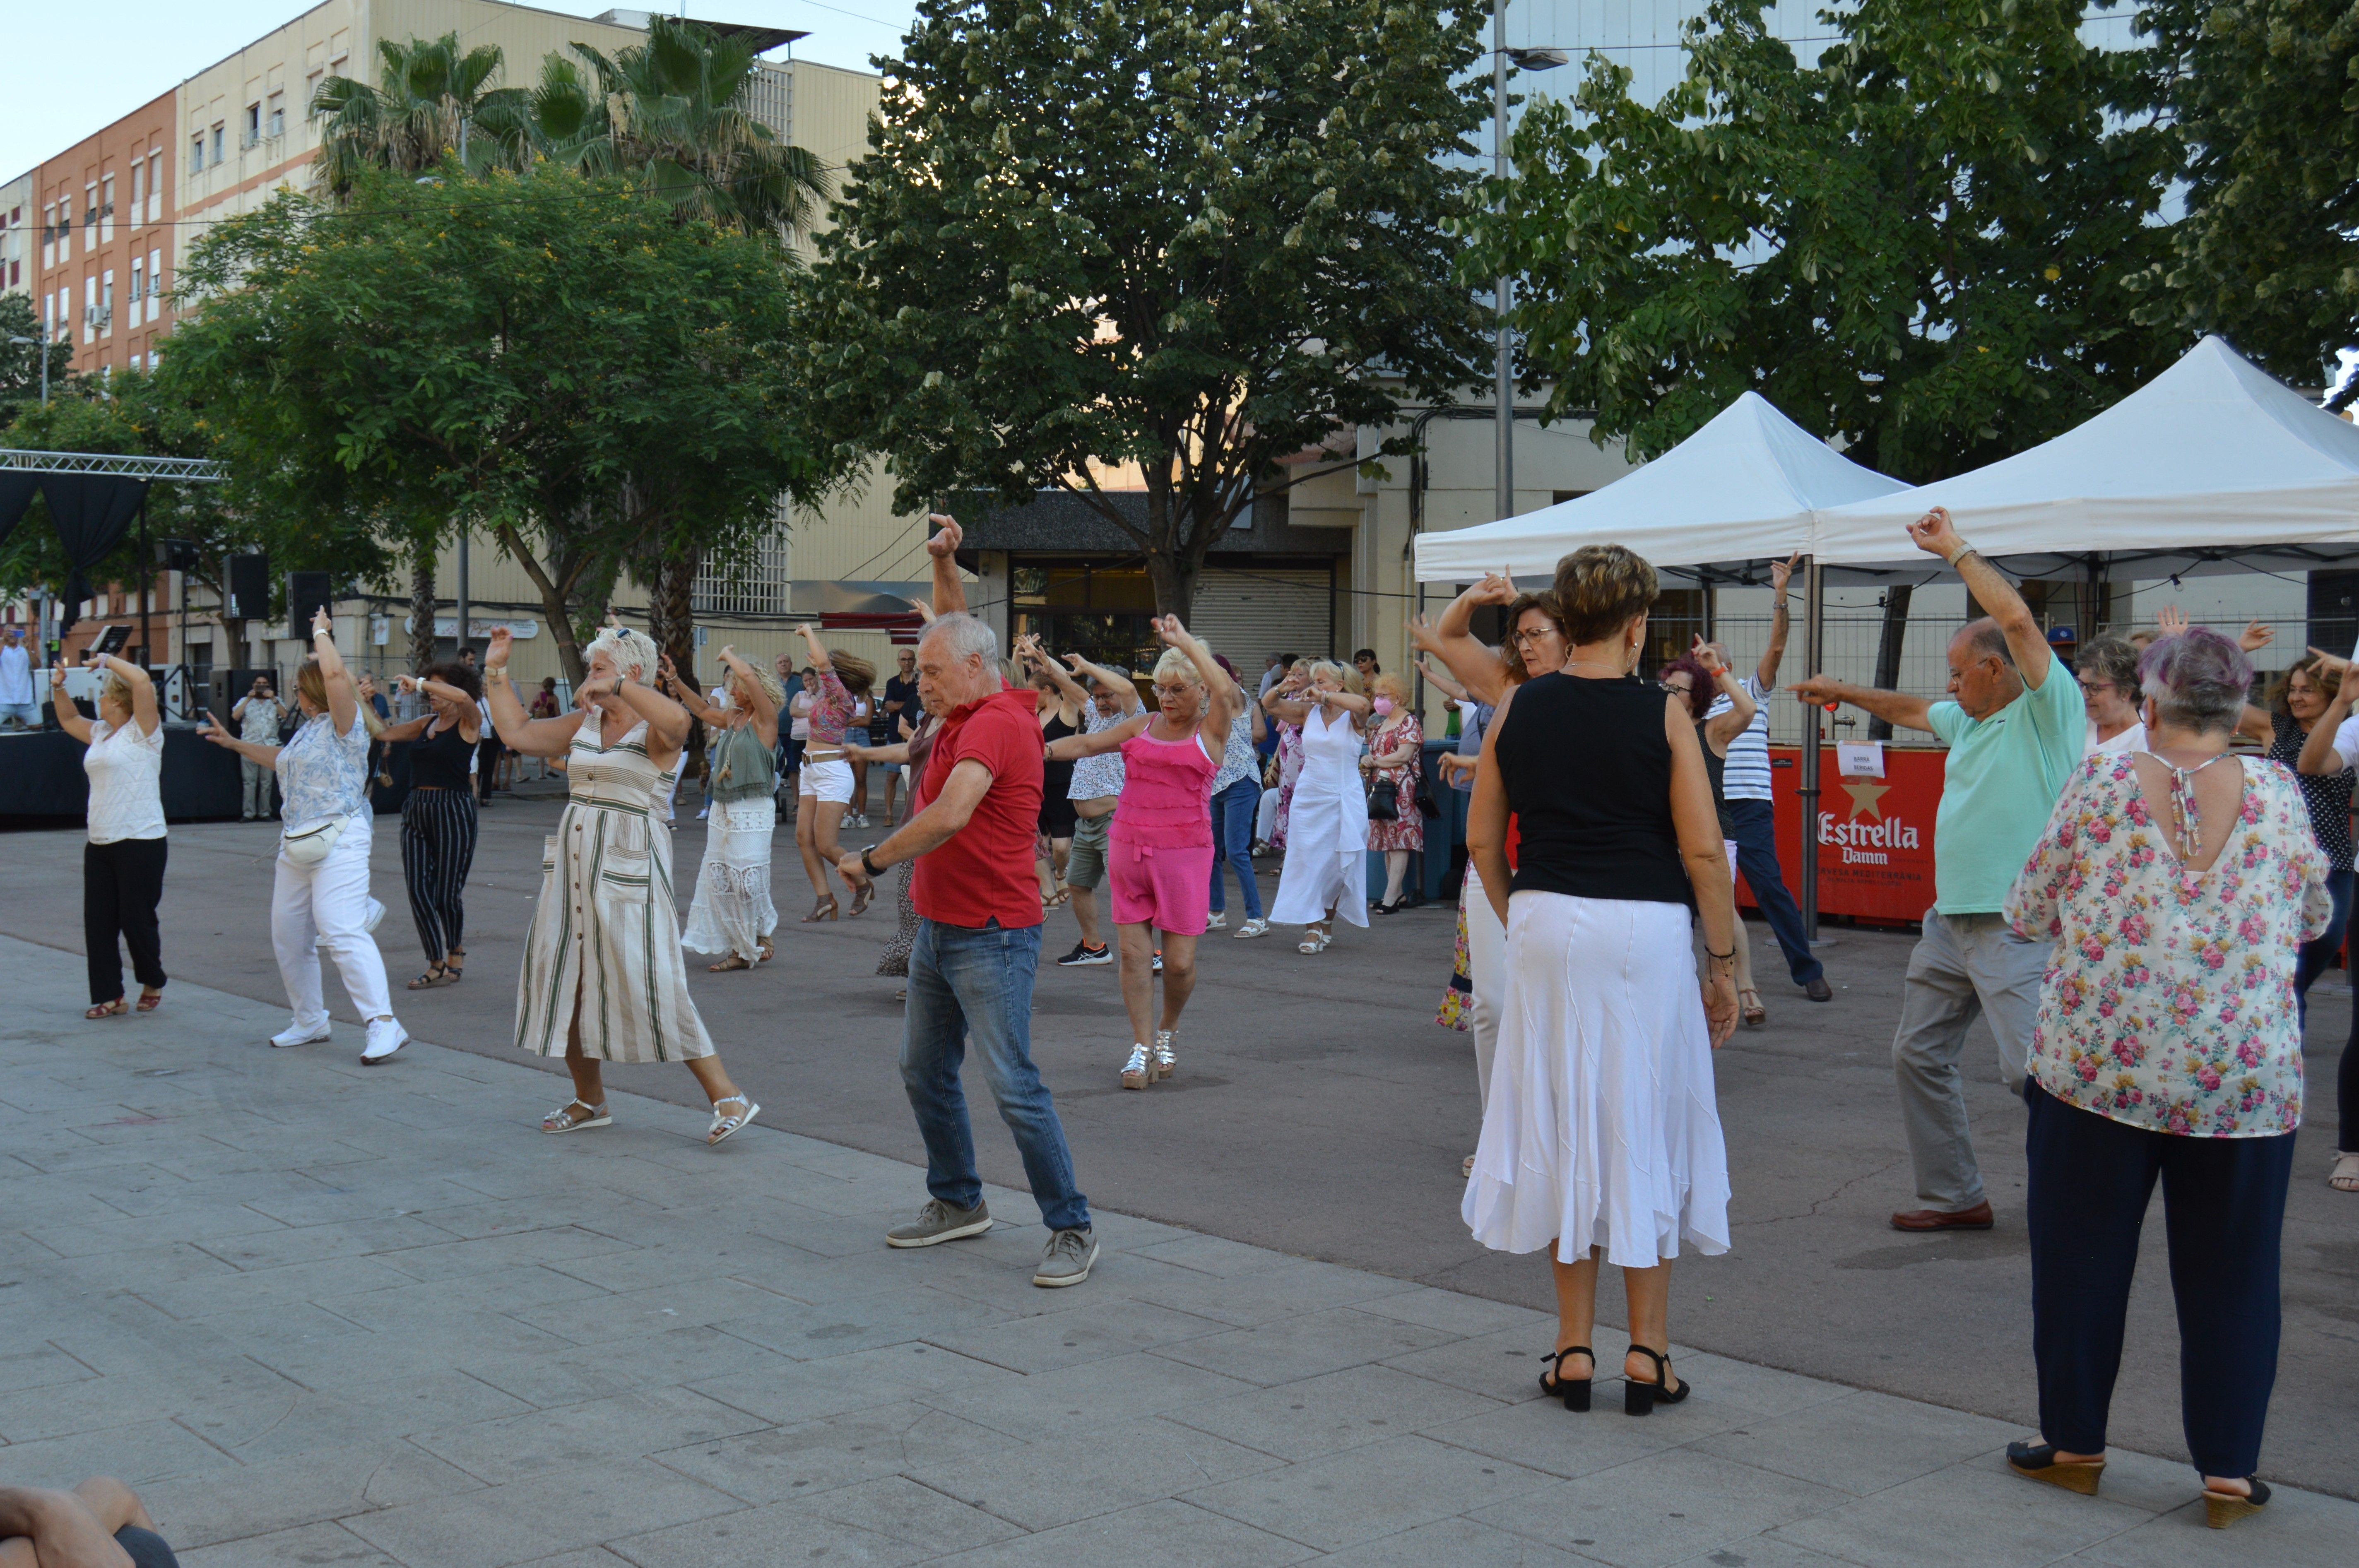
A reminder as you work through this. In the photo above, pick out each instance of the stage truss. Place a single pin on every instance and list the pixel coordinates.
(186, 471)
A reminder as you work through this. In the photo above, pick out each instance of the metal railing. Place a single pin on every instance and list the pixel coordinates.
(195, 471)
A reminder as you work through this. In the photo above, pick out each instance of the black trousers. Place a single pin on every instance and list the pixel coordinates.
(437, 846)
(121, 884)
(487, 763)
(2223, 1207)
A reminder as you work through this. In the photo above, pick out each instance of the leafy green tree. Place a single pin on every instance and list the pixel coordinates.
(576, 369)
(1192, 235)
(431, 101)
(1924, 245)
(20, 364)
(2266, 94)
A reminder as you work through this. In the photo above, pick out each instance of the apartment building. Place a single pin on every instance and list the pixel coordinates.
(15, 204)
(99, 262)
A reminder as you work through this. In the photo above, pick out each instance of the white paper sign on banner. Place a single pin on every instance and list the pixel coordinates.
(1859, 759)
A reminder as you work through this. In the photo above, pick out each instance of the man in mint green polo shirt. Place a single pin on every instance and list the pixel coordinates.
(2015, 727)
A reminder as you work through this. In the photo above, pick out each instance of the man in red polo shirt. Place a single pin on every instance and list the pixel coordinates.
(978, 946)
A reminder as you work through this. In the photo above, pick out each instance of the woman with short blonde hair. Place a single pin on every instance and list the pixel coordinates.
(123, 864)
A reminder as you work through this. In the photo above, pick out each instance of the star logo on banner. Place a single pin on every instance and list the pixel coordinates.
(1866, 796)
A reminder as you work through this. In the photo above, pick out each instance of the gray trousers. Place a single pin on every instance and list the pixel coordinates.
(255, 785)
(1963, 965)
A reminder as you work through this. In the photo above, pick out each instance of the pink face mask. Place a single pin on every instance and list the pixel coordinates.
(1383, 706)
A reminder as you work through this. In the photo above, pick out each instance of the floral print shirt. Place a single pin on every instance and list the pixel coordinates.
(2169, 1002)
(830, 710)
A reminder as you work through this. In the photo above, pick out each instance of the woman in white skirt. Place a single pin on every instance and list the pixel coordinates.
(1600, 1137)
(1325, 870)
(732, 912)
(321, 898)
(603, 979)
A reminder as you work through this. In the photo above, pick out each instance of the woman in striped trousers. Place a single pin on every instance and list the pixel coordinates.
(437, 818)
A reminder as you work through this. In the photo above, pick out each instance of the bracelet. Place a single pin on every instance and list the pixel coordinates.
(1727, 958)
(871, 867)
(1961, 553)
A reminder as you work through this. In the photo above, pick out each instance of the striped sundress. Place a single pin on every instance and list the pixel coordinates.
(606, 927)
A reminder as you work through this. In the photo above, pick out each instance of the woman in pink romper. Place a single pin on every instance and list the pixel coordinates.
(1159, 850)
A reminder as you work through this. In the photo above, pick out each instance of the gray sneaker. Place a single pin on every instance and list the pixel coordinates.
(938, 1221)
(1067, 1259)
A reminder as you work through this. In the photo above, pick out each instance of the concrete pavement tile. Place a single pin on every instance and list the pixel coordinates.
(1503, 1364)
(1298, 1287)
(815, 1456)
(446, 1259)
(303, 1421)
(40, 1202)
(409, 1193)
(143, 1455)
(2135, 1480)
(1967, 1517)
(1861, 1443)
(1663, 1508)
(329, 1544)
(215, 1294)
(900, 1508)
(564, 1437)
(540, 1517)
(318, 1360)
(1128, 1233)
(692, 1256)
(507, 1216)
(865, 1322)
(407, 1305)
(1455, 1314)
(1764, 1551)
(208, 1222)
(1457, 1543)
(311, 1243)
(39, 1368)
(1755, 1388)
(135, 1271)
(125, 1398)
(2297, 1528)
(1047, 1405)
(588, 1557)
(830, 1236)
(1215, 1255)
(329, 1483)
(1068, 1339)
(1542, 1435)
(1335, 1412)
(1003, 1277)
(616, 1365)
(1043, 1485)
(1342, 1500)
(761, 1537)
(1300, 1347)
(621, 1316)
(1158, 1535)
(805, 1390)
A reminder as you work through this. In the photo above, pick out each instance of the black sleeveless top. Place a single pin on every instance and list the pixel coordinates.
(439, 761)
(1715, 768)
(1588, 773)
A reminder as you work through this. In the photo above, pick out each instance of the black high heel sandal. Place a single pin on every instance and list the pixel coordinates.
(1640, 1399)
(1573, 1391)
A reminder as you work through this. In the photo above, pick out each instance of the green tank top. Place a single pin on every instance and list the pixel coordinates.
(741, 766)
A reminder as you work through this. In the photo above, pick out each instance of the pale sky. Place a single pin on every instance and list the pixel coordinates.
(68, 69)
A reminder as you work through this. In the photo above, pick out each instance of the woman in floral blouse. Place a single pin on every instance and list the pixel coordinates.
(2177, 883)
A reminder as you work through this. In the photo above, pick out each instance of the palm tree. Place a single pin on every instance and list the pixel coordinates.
(672, 113)
(428, 97)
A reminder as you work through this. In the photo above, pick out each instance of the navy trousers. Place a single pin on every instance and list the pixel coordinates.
(2223, 1207)
(1756, 823)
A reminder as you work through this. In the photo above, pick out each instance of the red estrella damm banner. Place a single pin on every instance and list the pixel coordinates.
(1875, 836)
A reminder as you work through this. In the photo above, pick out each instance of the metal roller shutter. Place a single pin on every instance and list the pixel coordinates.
(1249, 613)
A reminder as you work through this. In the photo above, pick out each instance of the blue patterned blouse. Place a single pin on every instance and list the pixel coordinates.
(323, 774)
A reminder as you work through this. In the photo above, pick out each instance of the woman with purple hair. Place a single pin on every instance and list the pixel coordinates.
(2176, 882)
(1696, 678)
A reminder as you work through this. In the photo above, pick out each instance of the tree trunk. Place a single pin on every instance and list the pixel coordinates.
(671, 622)
(555, 612)
(421, 607)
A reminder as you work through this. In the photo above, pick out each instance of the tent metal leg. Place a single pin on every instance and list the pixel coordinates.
(1813, 659)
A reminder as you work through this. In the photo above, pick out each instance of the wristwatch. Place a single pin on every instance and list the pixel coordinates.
(871, 867)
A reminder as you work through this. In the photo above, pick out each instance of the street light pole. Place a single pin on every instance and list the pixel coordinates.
(1503, 503)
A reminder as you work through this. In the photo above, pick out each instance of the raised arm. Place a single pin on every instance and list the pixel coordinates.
(1225, 699)
(143, 690)
(525, 736)
(765, 711)
(343, 700)
(70, 719)
(1935, 534)
(949, 594)
(1892, 706)
(1073, 748)
(1119, 687)
(1448, 688)
(1780, 574)
(666, 720)
(684, 691)
(2322, 752)
(819, 661)
(1451, 639)
(1029, 653)
(1722, 728)
(1287, 702)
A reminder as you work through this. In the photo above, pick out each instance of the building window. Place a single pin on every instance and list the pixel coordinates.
(155, 184)
(139, 284)
(197, 153)
(89, 210)
(221, 139)
(49, 235)
(276, 124)
(106, 304)
(90, 310)
(106, 212)
(312, 94)
(252, 134)
(138, 192)
(154, 283)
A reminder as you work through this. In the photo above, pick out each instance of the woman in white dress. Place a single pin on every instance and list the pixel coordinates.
(603, 978)
(1600, 1138)
(732, 912)
(1325, 870)
(123, 864)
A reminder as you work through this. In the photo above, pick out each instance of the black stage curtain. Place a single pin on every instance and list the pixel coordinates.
(91, 512)
(16, 489)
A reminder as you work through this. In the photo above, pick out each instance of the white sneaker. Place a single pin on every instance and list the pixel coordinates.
(704, 813)
(385, 1035)
(1217, 921)
(296, 1034)
(1253, 928)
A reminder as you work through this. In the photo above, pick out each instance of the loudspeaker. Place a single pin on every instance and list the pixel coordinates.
(180, 554)
(249, 588)
(306, 592)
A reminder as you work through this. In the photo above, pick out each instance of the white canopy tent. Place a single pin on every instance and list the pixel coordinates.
(1746, 486)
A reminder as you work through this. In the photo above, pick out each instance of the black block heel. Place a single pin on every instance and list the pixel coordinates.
(1640, 1399)
(1573, 1391)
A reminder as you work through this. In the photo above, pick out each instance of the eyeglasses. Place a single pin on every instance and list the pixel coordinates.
(1518, 639)
(1682, 688)
(2093, 687)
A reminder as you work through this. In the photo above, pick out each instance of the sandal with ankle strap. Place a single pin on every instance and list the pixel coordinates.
(114, 1009)
(1640, 1399)
(822, 910)
(727, 965)
(434, 976)
(724, 1126)
(148, 1002)
(1752, 1011)
(561, 1120)
(454, 965)
(1574, 1392)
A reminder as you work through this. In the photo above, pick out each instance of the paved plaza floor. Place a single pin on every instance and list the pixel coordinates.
(320, 1312)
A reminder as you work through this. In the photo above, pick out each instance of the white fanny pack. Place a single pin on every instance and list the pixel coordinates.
(310, 847)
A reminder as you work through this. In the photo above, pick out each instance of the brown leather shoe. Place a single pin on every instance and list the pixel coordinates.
(1975, 1219)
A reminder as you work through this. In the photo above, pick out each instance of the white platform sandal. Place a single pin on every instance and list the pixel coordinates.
(724, 1126)
(561, 1120)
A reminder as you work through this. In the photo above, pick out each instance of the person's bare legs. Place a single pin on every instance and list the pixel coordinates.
(892, 790)
(1649, 1294)
(1576, 1310)
(1178, 975)
(1137, 968)
(859, 805)
(806, 823)
(1396, 872)
(1085, 915)
(1060, 852)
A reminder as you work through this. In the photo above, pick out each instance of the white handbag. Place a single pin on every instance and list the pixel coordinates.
(310, 847)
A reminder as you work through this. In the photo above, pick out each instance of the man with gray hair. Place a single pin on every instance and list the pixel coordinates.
(975, 815)
(2015, 726)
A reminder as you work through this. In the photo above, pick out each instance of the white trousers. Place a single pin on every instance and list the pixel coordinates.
(328, 904)
(1486, 974)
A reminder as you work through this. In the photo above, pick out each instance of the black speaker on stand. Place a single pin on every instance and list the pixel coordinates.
(249, 588)
(307, 594)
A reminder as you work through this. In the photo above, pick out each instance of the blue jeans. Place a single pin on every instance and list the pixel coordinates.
(1755, 825)
(1232, 825)
(969, 983)
(2312, 958)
